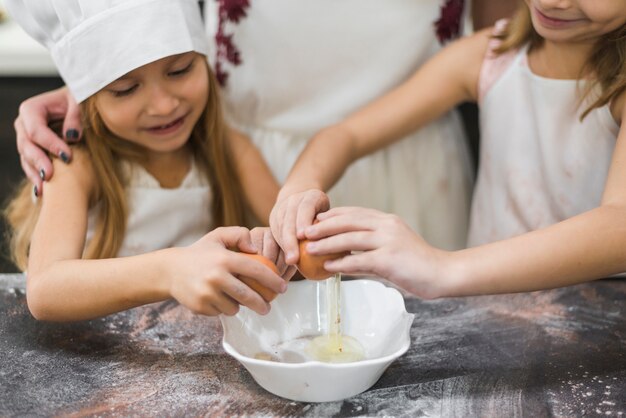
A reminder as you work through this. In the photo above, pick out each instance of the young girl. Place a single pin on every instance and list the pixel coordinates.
(156, 170)
(549, 208)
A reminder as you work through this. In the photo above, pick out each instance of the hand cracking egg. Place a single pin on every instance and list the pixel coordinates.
(312, 266)
(267, 294)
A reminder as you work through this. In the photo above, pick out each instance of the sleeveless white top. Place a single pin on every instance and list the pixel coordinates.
(306, 64)
(539, 164)
(161, 218)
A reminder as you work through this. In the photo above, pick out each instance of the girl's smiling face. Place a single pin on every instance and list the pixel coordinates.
(157, 105)
(576, 20)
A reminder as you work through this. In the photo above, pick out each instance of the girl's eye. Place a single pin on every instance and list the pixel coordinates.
(120, 93)
(181, 71)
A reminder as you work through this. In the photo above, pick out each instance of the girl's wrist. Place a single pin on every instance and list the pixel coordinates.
(167, 271)
(454, 274)
(293, 187)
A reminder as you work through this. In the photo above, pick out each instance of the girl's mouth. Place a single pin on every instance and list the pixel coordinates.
(169, 128)
(552, 22)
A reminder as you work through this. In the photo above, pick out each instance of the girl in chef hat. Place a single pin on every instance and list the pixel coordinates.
(157, 170)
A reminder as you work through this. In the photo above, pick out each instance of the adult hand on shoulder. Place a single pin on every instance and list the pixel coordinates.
(204, 275)
(385, 246)
(290, 217)
(34, 137)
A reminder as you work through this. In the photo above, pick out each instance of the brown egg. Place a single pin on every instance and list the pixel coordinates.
(267, 294)
(312, 266)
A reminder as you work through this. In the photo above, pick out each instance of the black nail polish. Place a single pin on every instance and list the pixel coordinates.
(71, 135)
(35, 191)
(63, 156)
(42, 174)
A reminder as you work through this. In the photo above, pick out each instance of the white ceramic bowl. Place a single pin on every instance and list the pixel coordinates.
(371, 312)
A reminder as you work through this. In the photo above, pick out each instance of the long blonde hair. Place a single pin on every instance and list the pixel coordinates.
(212, 153)
(607, 62)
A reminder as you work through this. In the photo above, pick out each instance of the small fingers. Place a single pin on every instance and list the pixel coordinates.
(246, 267)
(257, 235)
(307, 209)
(244, 295)
(289, 272)
(288, 239)
(340, 223)
(270, 248)
(225, 304)
(355, 264)
(236, 237)
(344, 242)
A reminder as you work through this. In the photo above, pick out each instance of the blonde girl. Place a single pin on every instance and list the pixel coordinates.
(549, 207)
(157, 169)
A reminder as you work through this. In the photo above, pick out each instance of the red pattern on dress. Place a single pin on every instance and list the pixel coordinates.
(447, 27)
(449, 24)
(229, 11)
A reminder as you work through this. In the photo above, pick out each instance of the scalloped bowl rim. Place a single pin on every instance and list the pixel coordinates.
(323, 365)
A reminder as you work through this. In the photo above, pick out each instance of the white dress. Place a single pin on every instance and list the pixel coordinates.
(306, 64)
(539, 164)
(161, 218)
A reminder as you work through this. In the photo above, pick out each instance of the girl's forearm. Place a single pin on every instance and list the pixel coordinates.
(321, 163)
(582, 248)
(416, 102)
(72, 290)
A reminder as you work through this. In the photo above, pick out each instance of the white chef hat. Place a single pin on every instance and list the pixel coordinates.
(94, 42)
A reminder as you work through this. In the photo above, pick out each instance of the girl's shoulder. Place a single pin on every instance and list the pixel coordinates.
(618, 108)
(495, 62)
(469, 55)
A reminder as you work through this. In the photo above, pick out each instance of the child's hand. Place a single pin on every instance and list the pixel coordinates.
(263, 240)
(291, 215)
(204, 274)
(385, 246)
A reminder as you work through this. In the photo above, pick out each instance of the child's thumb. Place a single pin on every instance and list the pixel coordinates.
(237, 237)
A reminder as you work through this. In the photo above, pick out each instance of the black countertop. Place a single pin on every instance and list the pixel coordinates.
(553, 353)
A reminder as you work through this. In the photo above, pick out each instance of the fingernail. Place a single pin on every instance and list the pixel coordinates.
(64, 157)
(71, 135)
(35, 191)
(283, 288)
(311, 246)
(42, 174)
(290, 255)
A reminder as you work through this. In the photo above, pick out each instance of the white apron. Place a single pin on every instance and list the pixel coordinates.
(162, 218)
(539, 164)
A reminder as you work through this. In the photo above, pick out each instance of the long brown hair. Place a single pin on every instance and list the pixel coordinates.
(211, 150)
(607, 62)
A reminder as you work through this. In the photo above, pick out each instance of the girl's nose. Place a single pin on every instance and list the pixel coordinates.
(161, 102)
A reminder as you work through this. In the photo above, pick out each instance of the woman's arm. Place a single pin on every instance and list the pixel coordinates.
(451, 77)
(259, 185)
(63, 287)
